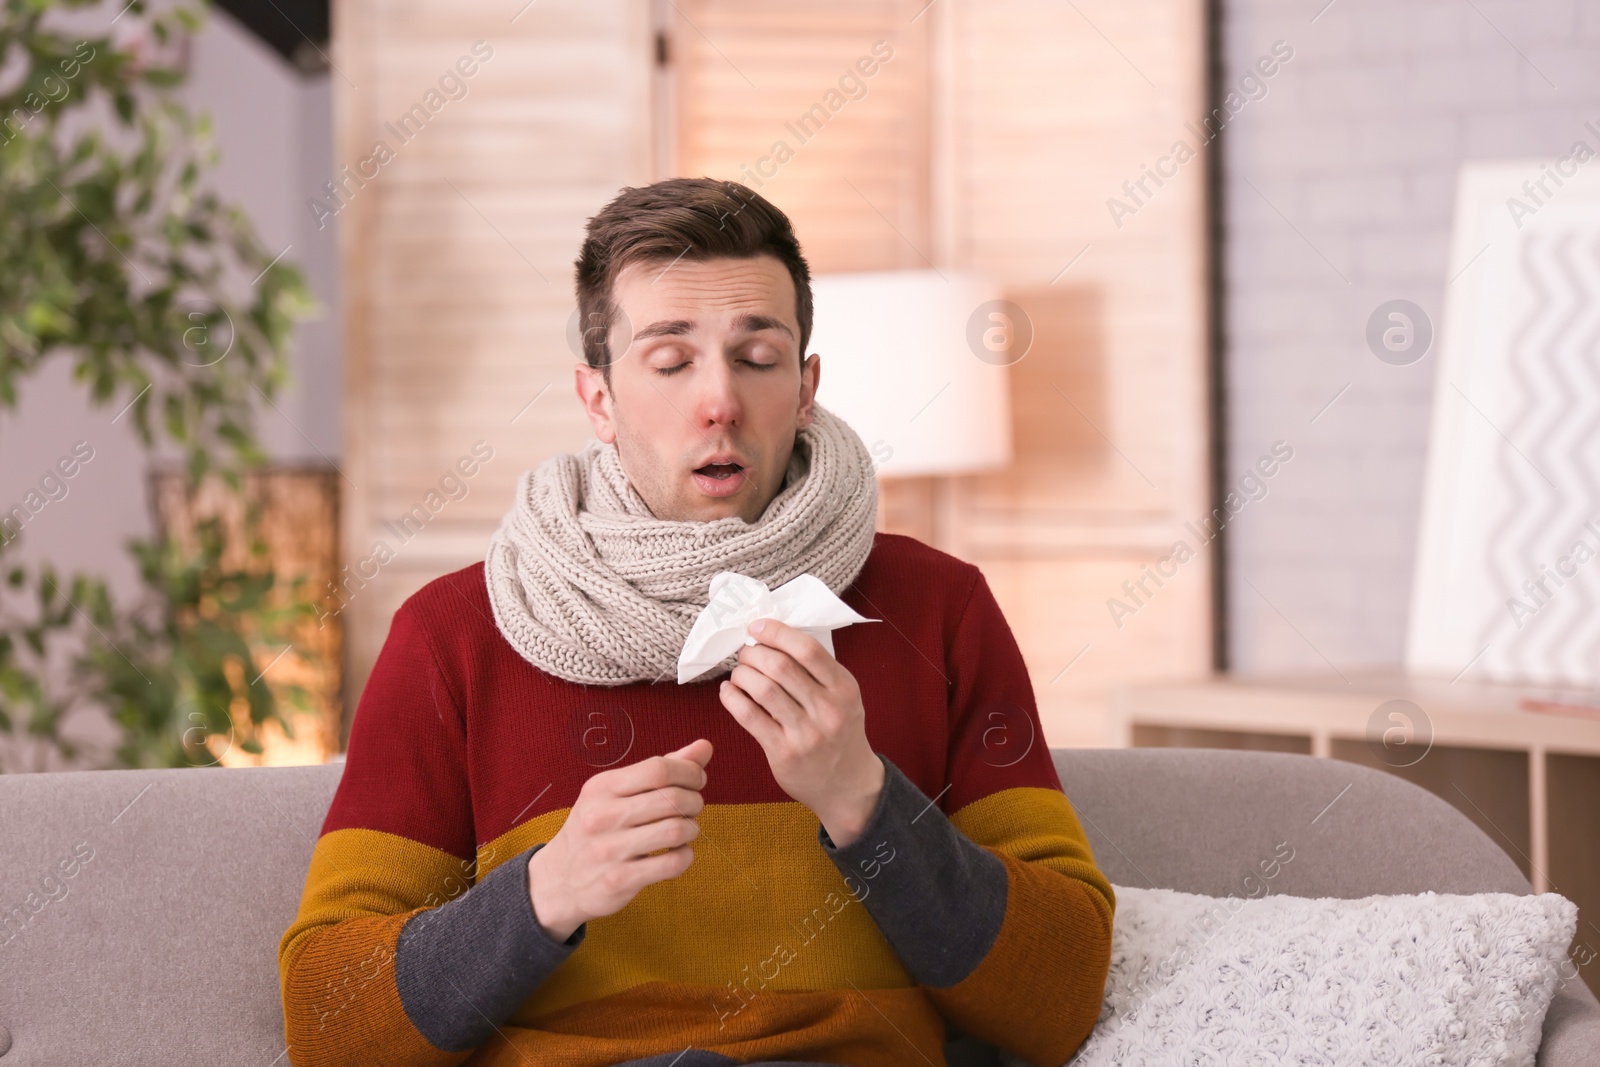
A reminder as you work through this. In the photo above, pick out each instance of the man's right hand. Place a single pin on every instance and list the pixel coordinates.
(602, 855)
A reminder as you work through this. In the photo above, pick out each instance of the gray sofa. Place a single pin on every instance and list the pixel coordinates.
(159, 947)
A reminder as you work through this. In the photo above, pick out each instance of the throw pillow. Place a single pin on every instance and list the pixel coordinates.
(1434, 979)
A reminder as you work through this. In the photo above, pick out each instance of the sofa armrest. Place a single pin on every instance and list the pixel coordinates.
(1571, 1027)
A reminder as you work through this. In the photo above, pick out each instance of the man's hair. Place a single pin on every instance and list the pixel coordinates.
(674, 220)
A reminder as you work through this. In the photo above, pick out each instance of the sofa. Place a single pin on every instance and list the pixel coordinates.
(140, 911)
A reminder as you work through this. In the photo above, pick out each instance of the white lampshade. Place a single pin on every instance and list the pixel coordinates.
(898, 366)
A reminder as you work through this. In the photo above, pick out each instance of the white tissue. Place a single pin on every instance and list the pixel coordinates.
(806, 603)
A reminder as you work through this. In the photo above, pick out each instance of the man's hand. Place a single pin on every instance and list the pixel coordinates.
(629, 828)
(805, 711)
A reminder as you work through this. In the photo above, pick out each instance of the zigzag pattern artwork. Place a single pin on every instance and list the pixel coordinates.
(1543, 540)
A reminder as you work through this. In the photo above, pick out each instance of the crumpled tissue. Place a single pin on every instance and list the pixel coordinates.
(737, 600)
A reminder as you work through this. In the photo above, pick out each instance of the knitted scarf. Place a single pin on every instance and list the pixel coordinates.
(591, 587)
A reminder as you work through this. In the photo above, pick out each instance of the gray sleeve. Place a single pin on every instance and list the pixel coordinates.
(462, 968)
(938, 897)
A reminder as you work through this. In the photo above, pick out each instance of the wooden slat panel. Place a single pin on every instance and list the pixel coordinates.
(1056, 608)
(1055, 106)
(857, 186)
(458, 258)
(1060, 101)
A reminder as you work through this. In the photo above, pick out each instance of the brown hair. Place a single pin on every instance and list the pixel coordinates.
(680, 218)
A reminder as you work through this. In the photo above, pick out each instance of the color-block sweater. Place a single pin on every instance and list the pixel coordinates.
(971, 902)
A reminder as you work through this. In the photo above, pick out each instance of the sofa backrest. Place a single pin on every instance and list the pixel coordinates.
(1202, 820)
(140, 911)
(160, 945)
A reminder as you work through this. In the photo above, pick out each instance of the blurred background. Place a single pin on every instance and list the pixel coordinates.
(1251, 350)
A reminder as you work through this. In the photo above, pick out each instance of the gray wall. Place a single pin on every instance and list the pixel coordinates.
(1338, 192)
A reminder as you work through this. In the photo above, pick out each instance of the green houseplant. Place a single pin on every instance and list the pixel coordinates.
(115, 256)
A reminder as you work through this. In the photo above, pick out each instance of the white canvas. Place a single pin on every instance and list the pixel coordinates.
(1506, 586)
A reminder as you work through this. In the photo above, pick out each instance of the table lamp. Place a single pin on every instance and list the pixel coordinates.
(916, 361)
(901, 364)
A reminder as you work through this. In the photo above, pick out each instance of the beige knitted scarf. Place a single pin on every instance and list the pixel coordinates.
(591, 587)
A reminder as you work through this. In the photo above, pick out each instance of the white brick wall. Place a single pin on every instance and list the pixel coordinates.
(1356, 147)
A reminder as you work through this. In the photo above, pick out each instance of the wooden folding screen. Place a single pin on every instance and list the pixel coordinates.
(987, 135)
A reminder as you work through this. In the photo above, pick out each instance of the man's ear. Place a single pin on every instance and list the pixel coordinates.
(595, 396)
(810, 378)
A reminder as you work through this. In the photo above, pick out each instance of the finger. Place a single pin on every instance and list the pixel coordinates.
(699, 751)
(750, 715)
(806, 650)
(800, 685)
(657, 772)
(654, 837)
(669, 803)
(773, 698)
(647, 870)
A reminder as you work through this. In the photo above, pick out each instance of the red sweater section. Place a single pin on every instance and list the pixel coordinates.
(498, 741)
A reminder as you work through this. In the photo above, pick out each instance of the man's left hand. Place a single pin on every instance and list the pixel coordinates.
(805, 711)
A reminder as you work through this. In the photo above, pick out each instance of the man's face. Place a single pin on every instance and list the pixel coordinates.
(704, 403)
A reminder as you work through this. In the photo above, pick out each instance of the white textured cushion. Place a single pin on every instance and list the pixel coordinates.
(1430, 979)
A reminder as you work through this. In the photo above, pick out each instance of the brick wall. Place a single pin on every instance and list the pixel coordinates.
(1337, 195)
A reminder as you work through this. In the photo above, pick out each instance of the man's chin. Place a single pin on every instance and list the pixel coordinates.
(710, 509)
(720, 503)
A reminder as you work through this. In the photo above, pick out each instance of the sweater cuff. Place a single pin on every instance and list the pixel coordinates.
(938, 897)
(462, 968)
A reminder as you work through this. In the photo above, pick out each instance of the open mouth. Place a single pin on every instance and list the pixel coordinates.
(720, 479)
(720, 471)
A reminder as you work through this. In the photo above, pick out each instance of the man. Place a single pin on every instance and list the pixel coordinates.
(799, 858)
